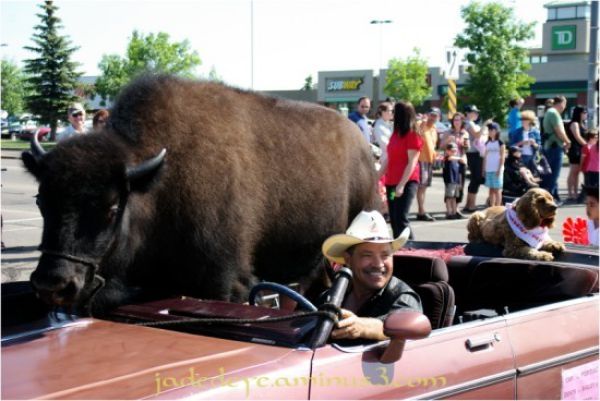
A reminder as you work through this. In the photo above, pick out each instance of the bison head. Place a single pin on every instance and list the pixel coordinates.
(84, 190)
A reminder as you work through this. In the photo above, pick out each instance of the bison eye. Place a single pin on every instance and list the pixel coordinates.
(112, 213)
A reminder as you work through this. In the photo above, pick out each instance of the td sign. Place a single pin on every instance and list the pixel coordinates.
(564, 37)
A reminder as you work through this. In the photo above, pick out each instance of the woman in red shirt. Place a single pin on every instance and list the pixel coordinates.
(402, 168)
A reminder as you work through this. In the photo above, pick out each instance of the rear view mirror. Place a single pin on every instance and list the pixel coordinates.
(401, 326)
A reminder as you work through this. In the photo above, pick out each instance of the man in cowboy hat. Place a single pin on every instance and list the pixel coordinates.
(367, 249)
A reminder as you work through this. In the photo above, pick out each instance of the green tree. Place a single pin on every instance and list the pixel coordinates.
(52, 77)
(145, 53)
(214, 76)
(13, 88)
(497, 62)
(407, 79)
(308, 83)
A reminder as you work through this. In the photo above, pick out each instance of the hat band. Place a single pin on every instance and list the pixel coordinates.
(378, 239)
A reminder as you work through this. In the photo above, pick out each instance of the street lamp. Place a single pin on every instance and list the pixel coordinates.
(380, 22)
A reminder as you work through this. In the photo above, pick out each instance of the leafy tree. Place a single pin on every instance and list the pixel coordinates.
(13, 88)
(497, 61)
(214, 76)
(52, 77)
(407, 79)
(145, 53)
(308, 83)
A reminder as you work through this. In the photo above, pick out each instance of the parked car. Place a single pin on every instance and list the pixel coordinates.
(28, 127)
(506, 329)
(5, 132)
(41, 132)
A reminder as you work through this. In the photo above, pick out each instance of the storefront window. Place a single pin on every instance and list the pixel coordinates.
(583, 11)
(565, 12)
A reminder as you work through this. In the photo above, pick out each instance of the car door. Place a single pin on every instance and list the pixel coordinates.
(554, 344)
(469, 361)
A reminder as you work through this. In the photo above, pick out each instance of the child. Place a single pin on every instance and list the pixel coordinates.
(452, 180)
(517, 177)
(591, 209)
(493, 164)
(589, 160)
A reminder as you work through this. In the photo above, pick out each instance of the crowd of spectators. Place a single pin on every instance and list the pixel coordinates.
(412, 144)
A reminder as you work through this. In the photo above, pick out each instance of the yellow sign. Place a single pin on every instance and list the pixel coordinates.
(451, 98)
(344, 84)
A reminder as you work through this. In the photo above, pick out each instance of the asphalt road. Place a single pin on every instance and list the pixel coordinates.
(23, 224)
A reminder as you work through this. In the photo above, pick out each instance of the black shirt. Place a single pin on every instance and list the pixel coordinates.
(395, 295)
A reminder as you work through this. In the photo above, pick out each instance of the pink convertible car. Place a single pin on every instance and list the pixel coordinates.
(492, 328)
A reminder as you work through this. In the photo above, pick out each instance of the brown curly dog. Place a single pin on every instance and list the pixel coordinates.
(534, 209)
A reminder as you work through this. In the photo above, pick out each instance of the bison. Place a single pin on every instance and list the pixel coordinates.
(194, 188)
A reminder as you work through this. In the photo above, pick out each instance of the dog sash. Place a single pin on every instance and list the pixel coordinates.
(534, 237)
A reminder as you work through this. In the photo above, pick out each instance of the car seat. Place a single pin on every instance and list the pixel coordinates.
(428, 276)
(520, 284)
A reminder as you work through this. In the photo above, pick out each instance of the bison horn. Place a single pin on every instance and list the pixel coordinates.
(36, 149)
(146, 167)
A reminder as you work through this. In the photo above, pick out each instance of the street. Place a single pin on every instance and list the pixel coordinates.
(23, 224)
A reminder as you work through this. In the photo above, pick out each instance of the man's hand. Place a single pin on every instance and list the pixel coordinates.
(352, 326)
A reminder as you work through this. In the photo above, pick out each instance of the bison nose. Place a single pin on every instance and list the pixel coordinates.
(54, 289)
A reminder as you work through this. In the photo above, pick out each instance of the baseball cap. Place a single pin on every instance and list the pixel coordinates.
(434, 110)
(494, 126)
(75, 108)
(471, 108)
(451, 145)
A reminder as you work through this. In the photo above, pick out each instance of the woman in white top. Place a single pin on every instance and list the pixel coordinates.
(382, 129)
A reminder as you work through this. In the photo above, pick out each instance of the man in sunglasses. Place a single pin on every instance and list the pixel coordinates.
(76, 116)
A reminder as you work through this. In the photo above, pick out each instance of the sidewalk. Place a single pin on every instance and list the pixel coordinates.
(10, 154)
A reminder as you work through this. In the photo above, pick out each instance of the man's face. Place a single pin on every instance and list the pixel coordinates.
(371, 264)
(560, 106)
(591, 207)
(433, 118)
(77, 120)
(472, 115)
(364, 106)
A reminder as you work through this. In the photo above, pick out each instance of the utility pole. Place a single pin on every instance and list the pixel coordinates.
(592, 93)
(380, 23)
(252, 44)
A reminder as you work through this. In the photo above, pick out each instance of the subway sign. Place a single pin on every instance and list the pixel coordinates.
(564, 37)
(343, 84)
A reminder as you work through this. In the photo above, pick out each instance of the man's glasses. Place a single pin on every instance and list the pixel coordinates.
(79, 114)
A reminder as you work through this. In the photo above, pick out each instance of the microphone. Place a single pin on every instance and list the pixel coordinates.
(334, 298)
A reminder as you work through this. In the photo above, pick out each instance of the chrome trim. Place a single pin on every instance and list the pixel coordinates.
(556, 361)
(470, 385)
(590, 298)
(478, 323)
(52, 321)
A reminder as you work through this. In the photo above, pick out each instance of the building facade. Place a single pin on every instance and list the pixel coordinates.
(560, 66)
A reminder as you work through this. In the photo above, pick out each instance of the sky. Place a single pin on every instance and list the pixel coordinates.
(291, 39)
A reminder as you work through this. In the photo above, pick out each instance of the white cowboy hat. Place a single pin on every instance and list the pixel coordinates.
(366, 227)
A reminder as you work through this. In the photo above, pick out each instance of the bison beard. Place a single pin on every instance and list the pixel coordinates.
(249, 188)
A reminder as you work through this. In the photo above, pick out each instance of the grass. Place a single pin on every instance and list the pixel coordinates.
(7, 144)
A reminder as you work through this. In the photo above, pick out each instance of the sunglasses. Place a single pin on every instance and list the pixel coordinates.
(78, 114)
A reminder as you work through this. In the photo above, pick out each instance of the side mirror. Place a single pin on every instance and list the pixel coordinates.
(401, 326)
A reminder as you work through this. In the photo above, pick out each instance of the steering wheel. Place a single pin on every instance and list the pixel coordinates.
(281, 290)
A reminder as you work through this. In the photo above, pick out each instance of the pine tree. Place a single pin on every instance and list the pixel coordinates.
(52, 76)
